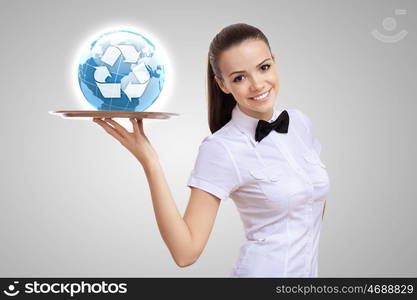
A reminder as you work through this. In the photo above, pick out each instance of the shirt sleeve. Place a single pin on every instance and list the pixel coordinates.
(214, 170)
(311, 140)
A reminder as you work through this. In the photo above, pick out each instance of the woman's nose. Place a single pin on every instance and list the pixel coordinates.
(256, 84)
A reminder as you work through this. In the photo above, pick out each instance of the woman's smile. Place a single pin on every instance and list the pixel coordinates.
(261, 97)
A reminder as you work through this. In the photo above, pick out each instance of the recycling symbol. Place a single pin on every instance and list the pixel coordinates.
(134, 84)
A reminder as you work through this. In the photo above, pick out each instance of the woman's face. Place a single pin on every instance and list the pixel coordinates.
(248, 71)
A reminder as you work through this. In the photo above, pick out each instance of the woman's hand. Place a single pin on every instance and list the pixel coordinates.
(136, 142)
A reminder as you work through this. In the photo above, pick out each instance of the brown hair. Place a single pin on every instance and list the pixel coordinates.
(220, 105)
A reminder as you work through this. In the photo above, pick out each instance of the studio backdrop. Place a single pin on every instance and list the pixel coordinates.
(75, 203)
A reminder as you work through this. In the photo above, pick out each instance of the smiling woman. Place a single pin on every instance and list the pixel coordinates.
(255, 87)
(266, 160)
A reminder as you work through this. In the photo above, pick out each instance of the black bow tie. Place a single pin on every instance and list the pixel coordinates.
(279, 125)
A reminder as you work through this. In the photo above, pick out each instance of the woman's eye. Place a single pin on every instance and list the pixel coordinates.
(234, 80)
(262, 67)
(267, 65)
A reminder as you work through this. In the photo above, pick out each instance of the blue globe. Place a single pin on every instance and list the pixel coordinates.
(121, 70)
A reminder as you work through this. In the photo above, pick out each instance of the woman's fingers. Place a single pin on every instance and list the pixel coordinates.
(140, 125)
(110, 130)
(120, 129)
(135, 125)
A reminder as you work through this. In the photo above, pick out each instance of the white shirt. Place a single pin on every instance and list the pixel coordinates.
(279, 187)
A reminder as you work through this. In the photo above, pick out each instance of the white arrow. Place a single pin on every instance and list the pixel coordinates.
(109, 90)
(111, 55)
(141, 73)
(129, 53)
(101, 73)
(134, 90)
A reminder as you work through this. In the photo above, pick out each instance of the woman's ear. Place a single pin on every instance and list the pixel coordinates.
(221, 85)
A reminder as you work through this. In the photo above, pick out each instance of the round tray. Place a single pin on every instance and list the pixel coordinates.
(113, 114)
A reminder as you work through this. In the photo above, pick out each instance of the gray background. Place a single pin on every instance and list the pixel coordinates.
(74, 202)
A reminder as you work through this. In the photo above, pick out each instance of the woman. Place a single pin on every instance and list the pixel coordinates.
(266, 160)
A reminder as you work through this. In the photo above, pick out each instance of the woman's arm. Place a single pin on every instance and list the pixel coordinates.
(185, 236)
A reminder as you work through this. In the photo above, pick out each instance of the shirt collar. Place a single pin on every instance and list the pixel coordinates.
(247, 124)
